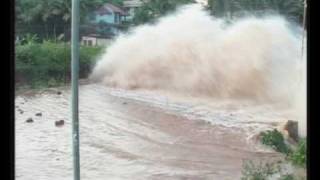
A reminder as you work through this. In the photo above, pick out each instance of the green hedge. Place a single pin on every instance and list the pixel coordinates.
(48, 63)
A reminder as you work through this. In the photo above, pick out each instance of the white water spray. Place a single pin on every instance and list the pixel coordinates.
(192, 53)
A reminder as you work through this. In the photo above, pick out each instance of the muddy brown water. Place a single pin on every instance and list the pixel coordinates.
(135, 135)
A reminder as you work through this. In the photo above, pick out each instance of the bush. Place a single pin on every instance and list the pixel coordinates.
(265, 171)
(48, 63)
(275, 140)
(298, 157)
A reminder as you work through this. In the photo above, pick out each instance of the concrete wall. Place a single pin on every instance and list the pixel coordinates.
(95, 41)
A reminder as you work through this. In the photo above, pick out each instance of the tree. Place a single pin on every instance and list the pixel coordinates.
(51, 17)
(292, 9)
(153, 9)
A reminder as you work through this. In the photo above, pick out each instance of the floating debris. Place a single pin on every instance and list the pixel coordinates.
(292, 129)
(29, 120)
(20, 111)
(59, 123)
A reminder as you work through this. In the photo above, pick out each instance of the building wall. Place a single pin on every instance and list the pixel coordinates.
(107, 18)
(104, 42)
(85, 40)
(113, 19)
(95, 41)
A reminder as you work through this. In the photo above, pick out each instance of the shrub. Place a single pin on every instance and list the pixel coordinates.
(275, 140)
(48, 63)
(298, 156)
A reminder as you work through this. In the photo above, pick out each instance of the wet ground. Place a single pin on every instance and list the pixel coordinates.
(137, 135)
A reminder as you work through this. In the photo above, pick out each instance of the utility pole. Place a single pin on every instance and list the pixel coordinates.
(75, 20)
(304, 26)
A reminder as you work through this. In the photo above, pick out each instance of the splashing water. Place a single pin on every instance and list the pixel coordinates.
(192, 53)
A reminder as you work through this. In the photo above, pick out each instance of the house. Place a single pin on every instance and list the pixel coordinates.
(109, 18)
(95, 40)
(110, 14)
(131, 5)
(103, 24)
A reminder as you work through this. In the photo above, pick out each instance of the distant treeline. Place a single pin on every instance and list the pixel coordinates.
(291, 9)
(50, 18)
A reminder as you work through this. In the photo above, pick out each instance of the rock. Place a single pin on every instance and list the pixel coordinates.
(29, 120)
(124, 103)
(59, 123)
(59, 92)
(290, 130)
(39, 114)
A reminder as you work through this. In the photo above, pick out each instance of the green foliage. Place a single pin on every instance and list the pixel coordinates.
(292, 9)
(298, 156)
(116, 2)
(287, 177)
(264, 171)
(275, 140)
(88, 57)
(259, 171)
(151, 10)
(48, 63)
(51, 17)
(29, 39)
(45, 10)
